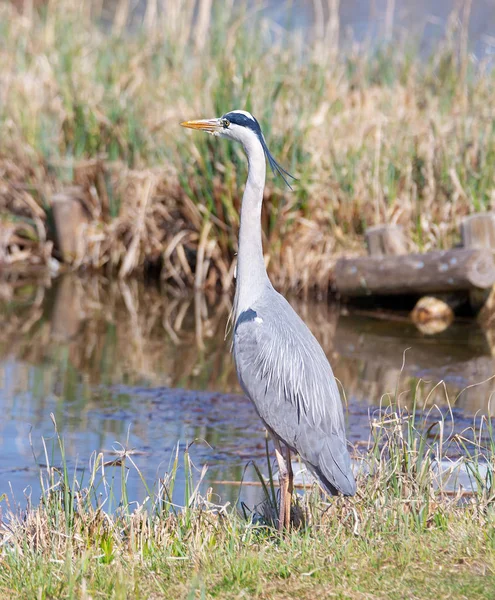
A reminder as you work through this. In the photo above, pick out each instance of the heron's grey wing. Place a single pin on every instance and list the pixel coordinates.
(284, 371)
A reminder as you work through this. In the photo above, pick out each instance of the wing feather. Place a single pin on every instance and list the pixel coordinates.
(284, 371)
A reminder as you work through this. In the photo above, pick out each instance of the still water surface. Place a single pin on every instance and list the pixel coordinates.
(122, 365)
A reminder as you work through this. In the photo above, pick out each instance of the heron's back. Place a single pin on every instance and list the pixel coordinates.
(284, 371)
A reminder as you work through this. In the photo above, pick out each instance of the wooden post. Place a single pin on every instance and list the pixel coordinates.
(478, 231)
(383, 240)
(69, 217)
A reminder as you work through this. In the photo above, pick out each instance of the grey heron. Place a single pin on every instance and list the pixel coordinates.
(280, 365)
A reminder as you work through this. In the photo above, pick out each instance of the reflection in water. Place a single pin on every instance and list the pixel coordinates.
(378, 350)
(103, 356)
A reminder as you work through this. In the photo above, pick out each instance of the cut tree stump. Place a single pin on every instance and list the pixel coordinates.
(385, 240)
(69, 217)
(438, 271)
(478, 231)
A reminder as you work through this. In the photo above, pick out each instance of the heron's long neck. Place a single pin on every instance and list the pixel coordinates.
(252, 278)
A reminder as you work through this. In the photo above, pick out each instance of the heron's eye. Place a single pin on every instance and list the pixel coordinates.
(225, 123)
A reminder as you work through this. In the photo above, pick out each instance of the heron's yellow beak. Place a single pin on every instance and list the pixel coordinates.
(209, 125)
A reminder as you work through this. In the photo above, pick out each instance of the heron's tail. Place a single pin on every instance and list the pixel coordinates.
(334, 467)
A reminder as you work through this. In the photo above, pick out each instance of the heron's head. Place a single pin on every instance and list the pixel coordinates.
(241, 126)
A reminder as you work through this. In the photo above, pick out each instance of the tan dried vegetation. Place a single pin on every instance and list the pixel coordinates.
(90, 105)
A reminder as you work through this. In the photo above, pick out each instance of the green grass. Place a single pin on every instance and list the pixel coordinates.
(404, 535)
(373, 134)
(457, 565)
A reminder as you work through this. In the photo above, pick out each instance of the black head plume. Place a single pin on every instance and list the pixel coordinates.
(276, 168)
(247, 120)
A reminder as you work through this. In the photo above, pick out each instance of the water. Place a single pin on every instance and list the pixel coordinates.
(363, 20)
(122, 365)
(368, 21)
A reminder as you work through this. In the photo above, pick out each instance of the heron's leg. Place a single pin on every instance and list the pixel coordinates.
(290, 487)
(283, 477)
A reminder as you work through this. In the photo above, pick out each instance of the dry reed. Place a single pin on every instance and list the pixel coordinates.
(373, 135)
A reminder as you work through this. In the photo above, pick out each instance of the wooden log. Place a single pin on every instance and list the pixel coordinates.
(438, 271)
(390, 240)
(385, 240)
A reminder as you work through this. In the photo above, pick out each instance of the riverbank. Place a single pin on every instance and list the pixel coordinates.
(404, 535)
(89, 115)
